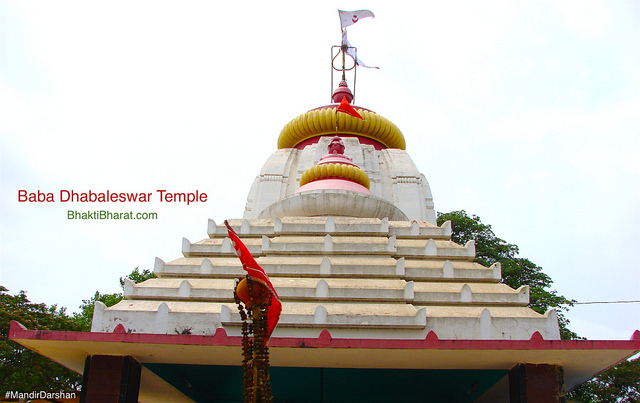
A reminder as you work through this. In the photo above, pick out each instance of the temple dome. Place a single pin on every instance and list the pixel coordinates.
(322, 122)
(377, 180)
(335, 170)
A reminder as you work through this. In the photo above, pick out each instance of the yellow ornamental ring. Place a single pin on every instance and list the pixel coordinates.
(321, 122)
(333, 170)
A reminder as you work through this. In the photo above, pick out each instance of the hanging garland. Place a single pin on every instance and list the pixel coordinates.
(255, 352)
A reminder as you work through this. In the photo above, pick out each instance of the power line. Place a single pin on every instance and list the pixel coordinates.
(606, 302)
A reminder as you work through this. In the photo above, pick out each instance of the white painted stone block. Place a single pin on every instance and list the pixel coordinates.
(320, 315)
(322, 289)
(465, 294)
(212, 228)
(330, 225)
(185, 289)
(485, 324)
(328, 244)
(431, 249)
(447, 269)
(325, 266)
(446, 228)
(400, 268)
(158, 265)
(206, 267)
(98, 317)
(128, 287)
(409, 291)
(186, 247)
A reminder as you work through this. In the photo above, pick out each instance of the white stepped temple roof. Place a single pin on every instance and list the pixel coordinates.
(356, 277)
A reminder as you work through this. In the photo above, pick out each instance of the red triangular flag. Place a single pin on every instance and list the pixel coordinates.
(346, 107)
(258, 274)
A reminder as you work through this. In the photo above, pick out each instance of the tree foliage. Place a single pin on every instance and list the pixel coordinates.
(620, 384)
(516, 271)
(23, 370)
(85, 315)
(137, 276)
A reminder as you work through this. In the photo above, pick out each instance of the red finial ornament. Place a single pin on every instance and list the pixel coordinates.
(336, 146)
(341, 92)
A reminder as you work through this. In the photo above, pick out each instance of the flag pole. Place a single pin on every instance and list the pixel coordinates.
(343, 50)
(348, 18)
(343, 77)
(337, 120)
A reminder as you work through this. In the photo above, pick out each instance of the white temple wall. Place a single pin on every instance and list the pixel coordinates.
(272, 183)
(393, 176)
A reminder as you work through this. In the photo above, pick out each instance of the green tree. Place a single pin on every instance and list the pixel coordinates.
(137, 276)
(516, 271)
(21, 369)
(84, 317)
(619, 384)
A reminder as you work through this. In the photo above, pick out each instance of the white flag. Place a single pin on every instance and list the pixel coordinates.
(351, 51)
(351, 17)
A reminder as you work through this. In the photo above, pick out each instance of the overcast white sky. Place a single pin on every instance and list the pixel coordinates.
(526, 113)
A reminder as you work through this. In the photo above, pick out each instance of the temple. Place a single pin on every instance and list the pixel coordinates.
(378, 304)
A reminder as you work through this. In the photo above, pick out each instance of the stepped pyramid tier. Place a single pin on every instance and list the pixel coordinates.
(356, 277)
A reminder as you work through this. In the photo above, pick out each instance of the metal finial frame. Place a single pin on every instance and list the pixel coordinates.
(343, 50)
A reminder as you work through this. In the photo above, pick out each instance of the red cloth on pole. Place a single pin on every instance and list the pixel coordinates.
(258, 274)
(346, 107)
